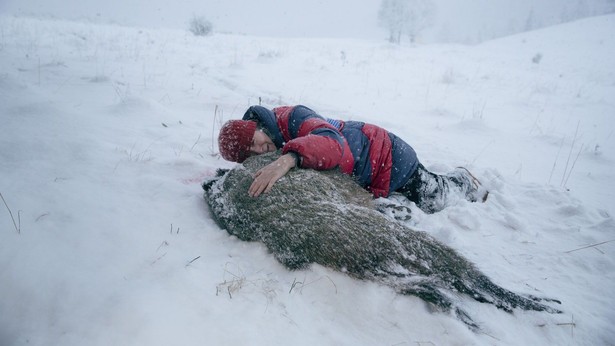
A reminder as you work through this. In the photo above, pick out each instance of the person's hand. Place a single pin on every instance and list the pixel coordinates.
(268, 175)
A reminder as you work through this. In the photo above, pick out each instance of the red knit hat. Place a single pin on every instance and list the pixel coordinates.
(235, 139)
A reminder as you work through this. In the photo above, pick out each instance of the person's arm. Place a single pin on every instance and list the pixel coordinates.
(318, 143)
(314, 143)
(265, 178)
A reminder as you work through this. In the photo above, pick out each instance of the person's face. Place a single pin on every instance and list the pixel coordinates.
(261, 143)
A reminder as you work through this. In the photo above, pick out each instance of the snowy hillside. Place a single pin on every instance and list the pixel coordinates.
(106, 133)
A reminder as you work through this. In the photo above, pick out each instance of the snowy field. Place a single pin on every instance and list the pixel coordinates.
(106, 133)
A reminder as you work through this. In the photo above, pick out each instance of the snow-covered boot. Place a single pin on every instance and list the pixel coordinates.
(469, 185)
(433, 192)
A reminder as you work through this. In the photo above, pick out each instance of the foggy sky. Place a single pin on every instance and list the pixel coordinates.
(455, 21)
(285, 18)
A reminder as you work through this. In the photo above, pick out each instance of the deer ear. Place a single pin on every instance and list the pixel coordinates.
(209, 182)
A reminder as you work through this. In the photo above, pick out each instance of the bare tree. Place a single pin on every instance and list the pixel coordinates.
(405, 17)
(530, 21)
(391, 17)
(421, 16)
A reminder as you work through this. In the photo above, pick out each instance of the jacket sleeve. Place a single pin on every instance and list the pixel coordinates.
(318, 143)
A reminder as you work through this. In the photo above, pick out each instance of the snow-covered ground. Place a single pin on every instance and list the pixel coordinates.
(106, 133)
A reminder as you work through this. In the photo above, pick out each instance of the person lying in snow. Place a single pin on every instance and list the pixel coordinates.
(379, 161)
